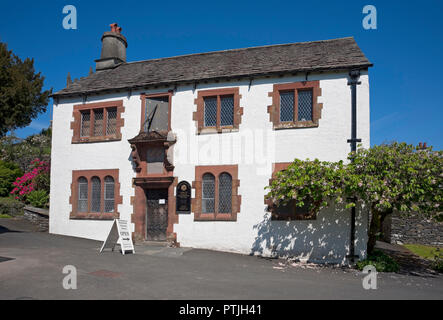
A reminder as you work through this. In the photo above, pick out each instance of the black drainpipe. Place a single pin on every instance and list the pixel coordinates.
(353, 82)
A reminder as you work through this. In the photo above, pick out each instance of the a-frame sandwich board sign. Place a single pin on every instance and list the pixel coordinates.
(119, 231)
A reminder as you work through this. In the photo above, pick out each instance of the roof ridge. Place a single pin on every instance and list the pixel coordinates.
(234, 50)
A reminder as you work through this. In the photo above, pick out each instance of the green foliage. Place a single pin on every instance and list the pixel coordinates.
(21, 95)
(399, 176)
(381, 261)
(38, 198)
(437, 264)
(42, 181)
(11, 207)
(9, 171)
(386, 177)
(309, 181)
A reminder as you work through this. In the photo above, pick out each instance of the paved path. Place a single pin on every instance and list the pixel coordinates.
(37, 260)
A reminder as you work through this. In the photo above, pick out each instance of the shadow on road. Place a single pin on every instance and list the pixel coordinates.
(5, 230)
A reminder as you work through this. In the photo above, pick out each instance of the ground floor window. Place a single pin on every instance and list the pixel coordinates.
(216, 193)
(289, 211)
(95, 194)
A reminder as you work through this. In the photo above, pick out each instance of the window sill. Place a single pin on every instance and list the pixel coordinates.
(95, 139)
(217, 131)
(214, 217)
(295, 125)
(300, 217)
(94, 216)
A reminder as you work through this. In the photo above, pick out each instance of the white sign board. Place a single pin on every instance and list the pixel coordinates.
(120, 234)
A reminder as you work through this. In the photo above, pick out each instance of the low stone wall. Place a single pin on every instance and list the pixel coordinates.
(37, 216)
(401, 228)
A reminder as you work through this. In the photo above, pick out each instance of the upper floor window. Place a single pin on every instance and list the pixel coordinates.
(290, 111)
(95, 194)
(156, 112)
(294, 105)
(216, 195)
(98, 128)
(218, 110)
(96, 122)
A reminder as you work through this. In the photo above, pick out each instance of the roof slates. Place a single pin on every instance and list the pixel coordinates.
(295, 57)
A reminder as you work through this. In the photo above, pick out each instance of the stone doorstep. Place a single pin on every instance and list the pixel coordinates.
(154, 243)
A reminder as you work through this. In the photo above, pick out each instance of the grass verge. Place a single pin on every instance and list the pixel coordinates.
(425, 252)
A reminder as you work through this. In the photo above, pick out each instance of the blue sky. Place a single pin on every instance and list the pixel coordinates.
(406, 49)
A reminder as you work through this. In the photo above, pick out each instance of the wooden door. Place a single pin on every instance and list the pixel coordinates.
(157, 214)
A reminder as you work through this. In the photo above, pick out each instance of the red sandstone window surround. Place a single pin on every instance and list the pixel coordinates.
(95, 194)
(295, 105)
(216, 193)
(289, 211)
(97, 122)
(218, 110)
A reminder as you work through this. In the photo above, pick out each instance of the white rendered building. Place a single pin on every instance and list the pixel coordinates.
(183, 147)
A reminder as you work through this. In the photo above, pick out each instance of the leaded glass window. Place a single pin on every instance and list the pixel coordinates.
(82, 205)
(225, 193)
(287, 106)
(227, 111)
(109, 194)
(210, 112)
(111, 125)
(208, 193)
(304, 105)
(98, 122)
(85, 123)
(95, 194)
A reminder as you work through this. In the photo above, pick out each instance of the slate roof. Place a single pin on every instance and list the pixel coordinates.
(326, 55)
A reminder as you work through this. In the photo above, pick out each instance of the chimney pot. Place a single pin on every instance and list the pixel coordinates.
(113, 27)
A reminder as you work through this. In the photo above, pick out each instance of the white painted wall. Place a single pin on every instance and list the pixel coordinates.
(325, 239)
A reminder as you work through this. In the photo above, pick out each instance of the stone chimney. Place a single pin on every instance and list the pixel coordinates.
(114, 46)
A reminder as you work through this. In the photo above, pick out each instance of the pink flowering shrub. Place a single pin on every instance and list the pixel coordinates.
(27, 183)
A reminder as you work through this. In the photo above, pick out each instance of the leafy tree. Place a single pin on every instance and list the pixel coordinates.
(398, 177)
(21, 95)
(387, 177)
